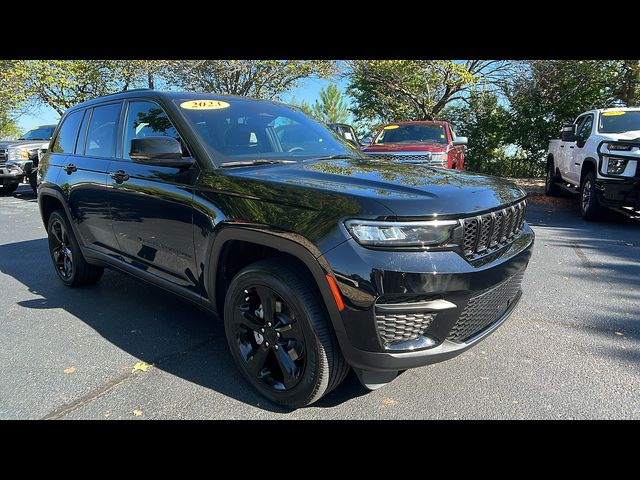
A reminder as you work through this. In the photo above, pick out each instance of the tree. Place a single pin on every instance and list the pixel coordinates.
(485, 121)
(629, 82)
(331, 106)
(553, 92)
(8, 126)
(265, 79)
(63, 83)
(387, 90)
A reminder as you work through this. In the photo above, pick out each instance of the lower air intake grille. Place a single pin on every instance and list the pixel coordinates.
(483, 310)
(396, 327)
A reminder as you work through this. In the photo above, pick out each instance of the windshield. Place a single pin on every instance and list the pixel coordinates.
(412, 133)
(618, 122)
(239, 130)
(40, 133)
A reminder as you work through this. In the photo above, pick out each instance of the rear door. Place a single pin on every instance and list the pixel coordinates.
(151, 206)
(84, 175)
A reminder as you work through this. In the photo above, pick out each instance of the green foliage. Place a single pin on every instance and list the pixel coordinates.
(8, 127)
(396, 90)
(265, 79)
(554, 92)
(485, 122)
(329, 108)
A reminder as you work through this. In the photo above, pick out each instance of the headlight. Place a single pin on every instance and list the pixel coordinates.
(18, 154)
(438, 158)
(401, 234)
(616, 166)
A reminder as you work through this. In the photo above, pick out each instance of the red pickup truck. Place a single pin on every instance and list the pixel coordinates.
(430, 142)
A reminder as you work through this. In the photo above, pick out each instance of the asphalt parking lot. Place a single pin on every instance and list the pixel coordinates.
(570, 350)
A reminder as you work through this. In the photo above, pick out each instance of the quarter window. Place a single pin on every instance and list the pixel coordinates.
(65, 141)
(101, 137)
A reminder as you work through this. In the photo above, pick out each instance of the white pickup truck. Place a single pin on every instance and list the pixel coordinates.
(598, 157)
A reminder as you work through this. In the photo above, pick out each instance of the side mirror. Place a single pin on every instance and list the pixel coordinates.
(460, 141)
(160, 151)
(568, 132)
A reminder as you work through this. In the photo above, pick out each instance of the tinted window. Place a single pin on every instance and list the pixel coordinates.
(412, 133)
(242, 130)
(146, 119)
(101, 137)
(585, 129)
(65, 142)
(83, 132)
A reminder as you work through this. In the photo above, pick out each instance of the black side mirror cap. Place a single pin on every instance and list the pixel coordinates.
(160, 151)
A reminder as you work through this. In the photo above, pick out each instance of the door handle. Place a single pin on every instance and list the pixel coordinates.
(70, 169)
(561, 146)
(120, 176)
(572, 146)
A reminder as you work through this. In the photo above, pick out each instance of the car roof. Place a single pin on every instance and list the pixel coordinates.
(166, 95)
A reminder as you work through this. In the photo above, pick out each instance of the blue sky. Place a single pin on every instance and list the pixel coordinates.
(308, 90)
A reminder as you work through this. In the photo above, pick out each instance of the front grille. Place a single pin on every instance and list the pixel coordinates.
(483, 310)
(416, 157)
(400, 327)
(4, 154)
(487, 233)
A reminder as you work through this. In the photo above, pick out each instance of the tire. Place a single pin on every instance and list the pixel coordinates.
(299, 337)
(8, 189)
(588, 204)
(33, 181)
(69, 263)
(551, 188)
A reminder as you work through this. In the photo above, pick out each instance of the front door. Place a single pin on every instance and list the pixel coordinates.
(151, 206)
(576, 155)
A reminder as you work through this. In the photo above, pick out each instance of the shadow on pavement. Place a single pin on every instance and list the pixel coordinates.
(148, 323)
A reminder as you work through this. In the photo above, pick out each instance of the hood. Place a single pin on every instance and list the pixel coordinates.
(407, 147)
(414, 190)
(30, 144)
(630, 135)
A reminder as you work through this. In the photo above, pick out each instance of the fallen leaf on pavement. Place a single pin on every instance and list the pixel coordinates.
(69, 370)
(137, 413)
(389, 401)
(619, 333)
(140, 366)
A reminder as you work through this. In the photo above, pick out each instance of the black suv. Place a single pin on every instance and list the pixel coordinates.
(317, 257)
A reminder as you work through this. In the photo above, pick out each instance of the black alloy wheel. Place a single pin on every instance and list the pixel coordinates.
(279, 333)
(67, 258)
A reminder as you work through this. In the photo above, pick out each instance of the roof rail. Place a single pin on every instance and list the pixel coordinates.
(124, 91)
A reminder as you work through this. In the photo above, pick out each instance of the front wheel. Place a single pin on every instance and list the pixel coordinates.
(8, 189)
(590, 207)
(279, 334)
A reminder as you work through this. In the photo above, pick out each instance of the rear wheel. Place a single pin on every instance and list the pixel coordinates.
(551, 188)
(8, 189)
(68, 261)
(589, 206)
(280, 336)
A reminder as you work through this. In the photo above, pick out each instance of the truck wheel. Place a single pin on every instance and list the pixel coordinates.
(8, 189)
(68, 261)
(279, 334)
(589, 206)
(33, 181)
(551, 188)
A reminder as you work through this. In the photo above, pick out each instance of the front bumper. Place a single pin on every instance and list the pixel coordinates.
(619, 193)
(371, 279)
(10, 174)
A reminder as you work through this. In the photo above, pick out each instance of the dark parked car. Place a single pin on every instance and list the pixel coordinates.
(19, 158)
(317, 257)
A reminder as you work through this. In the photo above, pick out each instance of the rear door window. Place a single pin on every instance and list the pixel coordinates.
(101, 136)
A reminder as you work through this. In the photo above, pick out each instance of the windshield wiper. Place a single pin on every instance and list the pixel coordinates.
(247, 163)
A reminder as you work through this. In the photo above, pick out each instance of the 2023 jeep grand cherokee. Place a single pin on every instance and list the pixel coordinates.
(317, 257)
